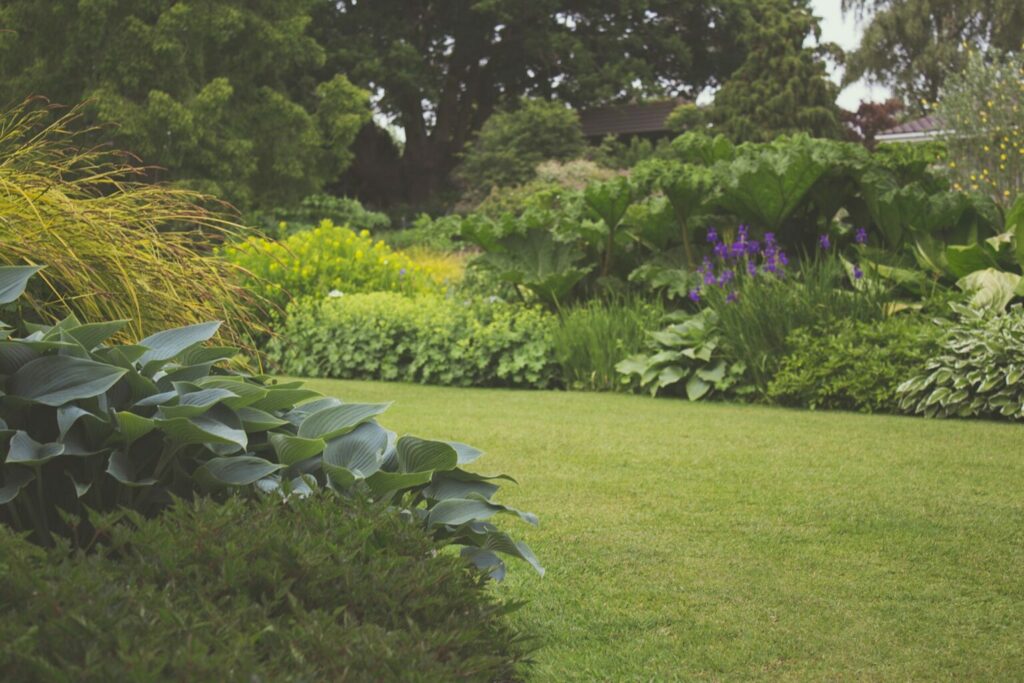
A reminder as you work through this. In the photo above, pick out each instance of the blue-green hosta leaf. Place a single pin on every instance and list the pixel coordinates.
(201, 355)
(466, 453)
(56, 380)
(461, 484)
(13, 280)
(68, 415)
(381, 483)
(255, 420)
(360, 451)
(714, 374)
(485, 560)
(80, 488)
(696, 388)
(14, 355)
(169, 343)
(204, 429)
(299, 413)
(499, 542)
(92, 335)
(421, 455)
(133, 427)
(195, 403)
(122, 466)
(292, 449)
(240, 470)
(338, 420)
(246, 393)
(456, 511)
(280, 398)
(156, 399)
(15, 479)
(25, 450)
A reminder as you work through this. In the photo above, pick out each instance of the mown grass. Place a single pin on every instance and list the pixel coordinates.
(711, 541)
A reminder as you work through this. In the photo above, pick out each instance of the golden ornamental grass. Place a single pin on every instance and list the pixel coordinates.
(114, 247)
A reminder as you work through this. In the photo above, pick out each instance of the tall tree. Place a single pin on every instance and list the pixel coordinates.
(229, 96)
(439, 68)
(782, 86)
(913, 45)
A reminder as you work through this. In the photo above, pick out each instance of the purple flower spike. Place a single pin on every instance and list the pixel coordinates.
(753, 247)
(857, 273)
(743, 232)
(712, 236)
(862, 236)
(733, 296)
(709, 278)
(824, 242)
(721, 251)
(769, 239)
(738, 249)
(770, 266)
(783, 259)
(751, 268)
(694, 296)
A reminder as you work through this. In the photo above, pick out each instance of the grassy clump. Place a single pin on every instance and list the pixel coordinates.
(305, 591)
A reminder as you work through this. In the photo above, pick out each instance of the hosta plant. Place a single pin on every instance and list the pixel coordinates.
(686, 354)
(87, 425)
(977, 373)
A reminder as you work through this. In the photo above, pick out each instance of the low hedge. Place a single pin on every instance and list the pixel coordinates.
(308, 590)
(427, 339)
(852, 365)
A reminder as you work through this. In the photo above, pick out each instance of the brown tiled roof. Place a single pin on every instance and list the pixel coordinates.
(627, 118)
(922, 125)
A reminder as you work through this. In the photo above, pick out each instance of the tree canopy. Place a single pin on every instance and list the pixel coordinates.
(228, 96)
(440, 69)
(913, 45)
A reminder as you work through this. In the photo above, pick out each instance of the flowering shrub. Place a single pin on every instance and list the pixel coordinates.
(427, 339)
(326, 258)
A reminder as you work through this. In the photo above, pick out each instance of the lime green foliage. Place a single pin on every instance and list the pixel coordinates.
(115, 247)
(511, 143)
(589, 339)
(976, 372)
(746, 543)
(328, 257)
(92, 427)
(222, 95)
(850, 365)
(688, 358)
(312, 590)
(278, 222)
(428, 339)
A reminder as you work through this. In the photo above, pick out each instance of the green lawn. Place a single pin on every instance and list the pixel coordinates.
(715, 541)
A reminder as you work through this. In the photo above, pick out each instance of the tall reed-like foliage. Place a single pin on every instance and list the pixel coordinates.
(114, 247)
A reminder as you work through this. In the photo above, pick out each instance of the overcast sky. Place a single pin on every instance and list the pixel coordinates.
(845, 32)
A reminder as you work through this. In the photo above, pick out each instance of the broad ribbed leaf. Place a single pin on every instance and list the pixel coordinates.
(196, 403)
(299, 413)
(338, 420)
(14, 355)
(500, 542)
(485, 560)
(169, 343)
(420, 455)
(239, 470)
(246, 393)
(202, 430)
(55, 380)
(696, 388)
(13, 280)
(15, 479)
(466, 454)
(133, 427)
(25, 450)
(443, 487)
(279, 399)
(92, 335)
(122, 466)
(381, 483)
(68, 415)
(360, 451)
(293, 449)
(80, 488)
(255, 420)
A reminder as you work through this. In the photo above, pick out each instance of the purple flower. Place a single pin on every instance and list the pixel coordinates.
(783, 259)
(824, 242)
(769, 239)
(857, 273)
(709, 277)
(733, 296)
(721, 251)
(751, 268)
(694, 296)
(753, 247)
(401, 273)
(770, 266)
(743, 232)
(738, 249)
(712, 236)
(862, 236)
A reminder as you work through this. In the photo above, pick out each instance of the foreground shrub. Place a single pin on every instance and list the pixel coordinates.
(87, 426)
(590, 339)
(851, 365)
(310, 590)
(426, 339)
(328, 257)
(977, 371)
(116, 248)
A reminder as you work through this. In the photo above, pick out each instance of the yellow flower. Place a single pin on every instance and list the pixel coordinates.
(364, 233)
(359, 254)
(952, 164)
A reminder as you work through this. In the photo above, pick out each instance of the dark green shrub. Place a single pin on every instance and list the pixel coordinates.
(307, 590)
(89, 426)
(590, 339)
(977, 370)
(853, 365)
(316, 208)
(430, 340)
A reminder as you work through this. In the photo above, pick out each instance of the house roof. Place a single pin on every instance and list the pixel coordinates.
(624, 119)
(924, 128)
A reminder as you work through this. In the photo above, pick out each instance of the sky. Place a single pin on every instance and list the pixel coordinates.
(845, 32)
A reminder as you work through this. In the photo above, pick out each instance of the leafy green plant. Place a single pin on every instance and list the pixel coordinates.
(590, 339)
(325, 258)
(115, 247)
(687, 355)
(976, 372)
(88, 425)
(309, 590)
(431, 340)
(314, 209)
(852, 365)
